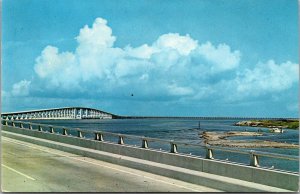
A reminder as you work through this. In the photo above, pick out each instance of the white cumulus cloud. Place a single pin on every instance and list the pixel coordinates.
(21, 88)
(267, 77)
(221, 56)
(142, 52)
(179, 90)
(182, 44)
(96, 38)
(174, 64)
(59, 69)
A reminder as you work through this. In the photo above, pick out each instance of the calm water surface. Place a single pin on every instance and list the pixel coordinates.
(187, 130)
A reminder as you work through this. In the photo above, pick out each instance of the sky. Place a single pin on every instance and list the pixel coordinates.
(152, 57)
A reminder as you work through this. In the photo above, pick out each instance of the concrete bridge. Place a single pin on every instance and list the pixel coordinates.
(206, 170)
(58, 113)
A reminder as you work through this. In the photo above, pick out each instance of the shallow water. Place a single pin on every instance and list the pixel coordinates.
(187, 130)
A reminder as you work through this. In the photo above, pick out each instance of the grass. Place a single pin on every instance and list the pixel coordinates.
(290, 124)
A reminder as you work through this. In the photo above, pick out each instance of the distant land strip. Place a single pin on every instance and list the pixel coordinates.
(202, 118)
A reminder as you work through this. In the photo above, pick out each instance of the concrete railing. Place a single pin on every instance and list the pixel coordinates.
(144, 141)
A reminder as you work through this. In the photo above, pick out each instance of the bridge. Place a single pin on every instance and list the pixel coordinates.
(59, 113)
(91, 113)
(113, 157)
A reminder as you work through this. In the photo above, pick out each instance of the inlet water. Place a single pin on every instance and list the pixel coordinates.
(187, 131)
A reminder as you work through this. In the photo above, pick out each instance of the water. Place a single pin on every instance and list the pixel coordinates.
(187, 131)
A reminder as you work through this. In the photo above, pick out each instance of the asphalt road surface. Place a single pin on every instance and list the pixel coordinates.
(28, 167)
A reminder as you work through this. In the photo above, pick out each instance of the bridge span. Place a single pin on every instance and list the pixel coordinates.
(59, 113)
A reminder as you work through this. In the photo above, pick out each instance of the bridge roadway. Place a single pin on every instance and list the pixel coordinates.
(29, 167)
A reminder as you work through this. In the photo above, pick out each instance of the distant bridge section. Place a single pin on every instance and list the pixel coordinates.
(59, 113)
(205, 118)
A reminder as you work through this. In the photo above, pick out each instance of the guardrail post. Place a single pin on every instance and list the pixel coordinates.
(79, 134)
(144, 143)
(40, 128)
(65, 131)
(209, 153)
(173, 147)
(96, 136)
(254, 160)
(51, 129)
(100, 136)
(30, 126)
(121, 140)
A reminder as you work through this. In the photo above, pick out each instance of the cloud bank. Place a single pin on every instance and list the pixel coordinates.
(173, 67)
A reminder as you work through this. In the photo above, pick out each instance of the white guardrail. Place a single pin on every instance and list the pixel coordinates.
(100, 136)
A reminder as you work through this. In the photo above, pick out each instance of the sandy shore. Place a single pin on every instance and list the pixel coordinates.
(219, 139)
(252, 144)
(212, 136)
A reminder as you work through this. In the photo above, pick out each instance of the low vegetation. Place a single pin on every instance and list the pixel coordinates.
(282, 123)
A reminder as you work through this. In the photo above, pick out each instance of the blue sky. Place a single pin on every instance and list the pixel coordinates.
(177, 58)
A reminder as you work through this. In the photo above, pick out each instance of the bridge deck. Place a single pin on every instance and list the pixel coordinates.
(28, 167)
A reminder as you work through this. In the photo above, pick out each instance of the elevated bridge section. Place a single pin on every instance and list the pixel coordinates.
(59, 113)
